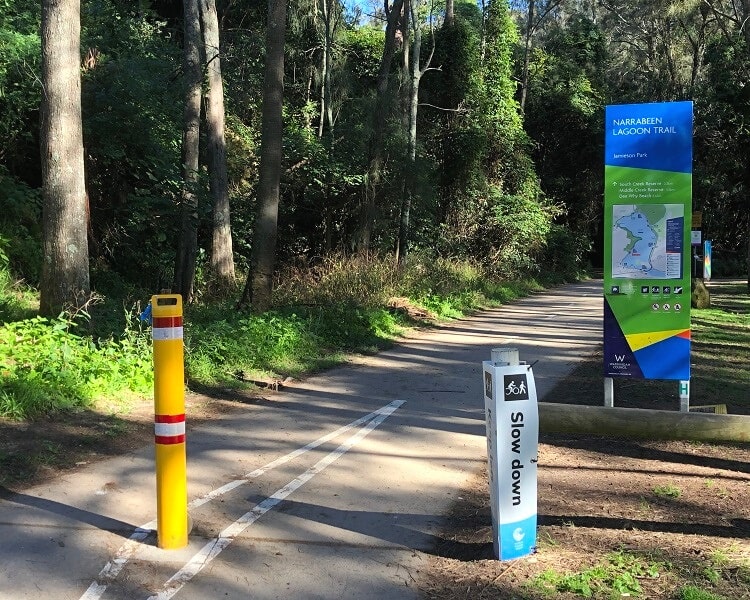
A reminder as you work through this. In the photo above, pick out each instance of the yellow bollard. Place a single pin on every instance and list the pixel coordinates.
(169, 422)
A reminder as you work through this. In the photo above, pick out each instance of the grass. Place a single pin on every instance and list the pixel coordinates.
(615, 576)
(639, 574)
(667, 491)
(691, 592)
(721, 349)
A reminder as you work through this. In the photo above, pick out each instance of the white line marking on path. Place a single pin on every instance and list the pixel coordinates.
(213, 548)
(291, 456)
(112, 569)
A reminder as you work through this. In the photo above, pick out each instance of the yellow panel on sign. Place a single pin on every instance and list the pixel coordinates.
(636, 341)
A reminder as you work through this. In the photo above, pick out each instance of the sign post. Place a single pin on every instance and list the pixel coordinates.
(647, 240)
(512, 420)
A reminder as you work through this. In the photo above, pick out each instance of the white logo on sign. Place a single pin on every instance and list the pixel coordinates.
(518, 534)
(619, 357)
(516, 389)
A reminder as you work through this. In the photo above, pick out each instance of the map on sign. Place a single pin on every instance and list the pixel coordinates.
(647, 241)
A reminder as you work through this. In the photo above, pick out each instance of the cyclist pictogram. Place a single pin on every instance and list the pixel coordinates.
(516, 387)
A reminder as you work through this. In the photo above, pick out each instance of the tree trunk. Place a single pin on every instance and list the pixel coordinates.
(187, 246)
(65, 266)
(415, 75)
(526, 56)
(450, 15)
(326, 107)
(222, 260)
(375, 159)
(259, 283)
(746, 34)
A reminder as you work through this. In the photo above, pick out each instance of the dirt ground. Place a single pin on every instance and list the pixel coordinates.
(683, 508)
(678, 503)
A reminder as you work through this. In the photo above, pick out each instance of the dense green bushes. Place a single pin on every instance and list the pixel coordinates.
(48, 365)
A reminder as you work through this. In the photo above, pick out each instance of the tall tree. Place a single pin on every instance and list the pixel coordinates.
(187, 246)
(734, 21)
(416, 71)
(330, 11)
(221, 259)
(536, 12)
(377, 138)
(259, 285)
(65, 267)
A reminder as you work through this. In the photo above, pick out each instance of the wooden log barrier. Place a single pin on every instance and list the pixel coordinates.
(643, 423)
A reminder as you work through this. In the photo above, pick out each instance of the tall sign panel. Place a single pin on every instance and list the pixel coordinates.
(647, 258)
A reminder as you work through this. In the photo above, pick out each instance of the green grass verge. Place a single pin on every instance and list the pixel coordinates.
(721, 349)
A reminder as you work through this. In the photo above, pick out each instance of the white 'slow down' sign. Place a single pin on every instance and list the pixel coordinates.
(512, 420)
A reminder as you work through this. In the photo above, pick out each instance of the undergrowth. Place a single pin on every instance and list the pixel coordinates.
(49, 365)
(322, 311)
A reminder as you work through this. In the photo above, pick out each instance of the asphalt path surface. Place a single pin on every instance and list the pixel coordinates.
(335, 487)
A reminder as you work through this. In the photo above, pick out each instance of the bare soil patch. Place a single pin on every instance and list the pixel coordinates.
(35, 451)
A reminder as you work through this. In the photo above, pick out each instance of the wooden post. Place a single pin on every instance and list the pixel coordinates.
(643, 423)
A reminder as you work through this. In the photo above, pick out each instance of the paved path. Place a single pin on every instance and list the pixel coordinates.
(334, 488)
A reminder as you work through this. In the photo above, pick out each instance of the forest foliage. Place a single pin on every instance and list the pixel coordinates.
(509, 188)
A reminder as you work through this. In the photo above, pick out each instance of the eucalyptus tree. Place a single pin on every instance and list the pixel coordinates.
(377, 137)
(726, 203)
(187, 243)
(330, 12)
(65, 258)
(221, 257)
(416, 70)
(259, 285)
(536, 13)
(656, 46)
(564, 118)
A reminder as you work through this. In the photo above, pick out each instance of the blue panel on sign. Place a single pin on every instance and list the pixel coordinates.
(517, 539)
(668, 359)
(650, 136)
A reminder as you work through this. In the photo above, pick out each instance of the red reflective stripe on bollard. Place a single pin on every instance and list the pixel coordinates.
(167, 440)
(175, 321)
(169, 418)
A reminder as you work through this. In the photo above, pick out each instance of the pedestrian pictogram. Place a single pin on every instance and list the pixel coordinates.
(516, 387)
